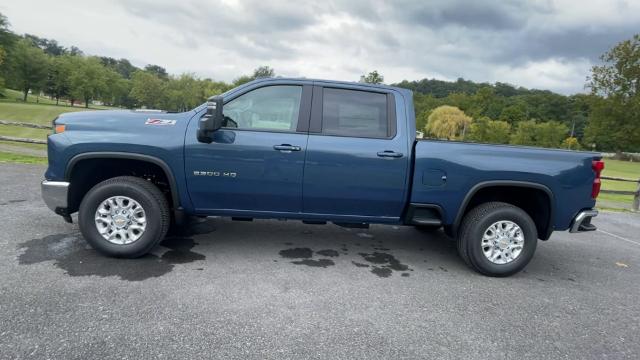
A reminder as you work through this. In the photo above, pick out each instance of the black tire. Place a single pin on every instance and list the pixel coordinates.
(146, 194)
(473, 227)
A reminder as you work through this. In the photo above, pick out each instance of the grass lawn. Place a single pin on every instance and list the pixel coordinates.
(12, 108)
(41, 147)
(15, 96)
(624, 169)
(24, 132)
(10, 95)
(33, 113)
(23, 159)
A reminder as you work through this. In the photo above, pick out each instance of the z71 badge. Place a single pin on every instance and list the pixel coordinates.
(215, 173)
(160, 122)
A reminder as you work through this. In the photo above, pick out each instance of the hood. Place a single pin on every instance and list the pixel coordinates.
(132, 120)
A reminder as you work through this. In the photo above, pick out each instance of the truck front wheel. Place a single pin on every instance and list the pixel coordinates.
(497, 239)
(124, 217)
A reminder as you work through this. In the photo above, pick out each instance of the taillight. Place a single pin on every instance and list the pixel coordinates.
(597, 166)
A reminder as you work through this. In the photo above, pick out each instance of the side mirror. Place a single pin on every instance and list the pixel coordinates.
(212, 120)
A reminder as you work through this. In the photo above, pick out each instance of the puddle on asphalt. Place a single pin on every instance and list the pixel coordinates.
(357, 264)
(305, 255)
(385, 264)
(323, 263)
(75, 257)
(380, 264)
(296, 253)
(328, 252)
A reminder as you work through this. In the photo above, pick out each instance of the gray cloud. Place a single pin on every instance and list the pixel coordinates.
(503, 15)
(539, 43)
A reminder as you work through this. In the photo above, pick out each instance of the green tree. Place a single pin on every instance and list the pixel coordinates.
(4, 43)
(28, 66)
(58, 81)
(210, 88)
(2, 56)
(50, 47)
(88, 79)
(183, 92)
(448, 122)
(619, 76)
(158, 70)
(263, 72)
(116, 88)
(258, 73)
(613, 123)
(485, 103)
(525, 133)
(489, 131)
(571, 143)
(148, 89)
(372, 78)
(4, 30)
(548, 134)
(513, 114)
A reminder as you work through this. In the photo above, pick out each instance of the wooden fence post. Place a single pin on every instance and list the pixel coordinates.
(636, 198)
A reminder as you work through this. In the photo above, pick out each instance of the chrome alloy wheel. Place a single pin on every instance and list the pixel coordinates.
(502, 242)
(120, 220)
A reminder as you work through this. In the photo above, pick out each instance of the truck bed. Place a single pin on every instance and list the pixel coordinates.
(447, 172)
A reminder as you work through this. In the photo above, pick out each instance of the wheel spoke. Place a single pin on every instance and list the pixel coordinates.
(120, 220)
(502, 242)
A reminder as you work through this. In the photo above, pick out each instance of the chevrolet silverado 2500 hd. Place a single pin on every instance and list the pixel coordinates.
(316, 151)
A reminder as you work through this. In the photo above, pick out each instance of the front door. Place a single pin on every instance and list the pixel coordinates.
(256, 161)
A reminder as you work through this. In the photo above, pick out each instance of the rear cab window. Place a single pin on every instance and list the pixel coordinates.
(356, 113)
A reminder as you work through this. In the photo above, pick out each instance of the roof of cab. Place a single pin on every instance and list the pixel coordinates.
(324, 81)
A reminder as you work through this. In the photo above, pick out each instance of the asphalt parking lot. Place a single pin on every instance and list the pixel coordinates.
(274, 289)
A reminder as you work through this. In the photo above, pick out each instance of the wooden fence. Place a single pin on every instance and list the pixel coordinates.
(23, 124)
(636, 193)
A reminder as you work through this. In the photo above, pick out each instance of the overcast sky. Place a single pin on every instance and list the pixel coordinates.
(547, 44)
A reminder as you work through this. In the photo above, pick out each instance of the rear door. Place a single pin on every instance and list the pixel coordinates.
(357, 155)
(255, 162)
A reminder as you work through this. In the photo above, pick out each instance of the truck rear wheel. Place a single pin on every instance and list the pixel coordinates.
(497, 239)
(124, 217)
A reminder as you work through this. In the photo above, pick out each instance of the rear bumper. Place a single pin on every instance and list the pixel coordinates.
(54, 194)
(582, 221)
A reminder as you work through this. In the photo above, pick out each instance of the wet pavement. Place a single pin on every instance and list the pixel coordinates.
(282, 289)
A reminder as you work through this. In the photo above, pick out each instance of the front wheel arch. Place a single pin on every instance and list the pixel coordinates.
(78, 167)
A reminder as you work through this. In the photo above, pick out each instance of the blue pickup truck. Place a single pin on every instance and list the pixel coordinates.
(316, 151)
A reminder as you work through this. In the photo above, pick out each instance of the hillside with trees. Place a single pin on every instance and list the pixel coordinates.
(605, 119)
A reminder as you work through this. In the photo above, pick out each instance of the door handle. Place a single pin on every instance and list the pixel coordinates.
(389, 154)
(286, 147)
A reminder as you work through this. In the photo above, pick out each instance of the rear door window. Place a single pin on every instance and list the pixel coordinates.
(355, 113)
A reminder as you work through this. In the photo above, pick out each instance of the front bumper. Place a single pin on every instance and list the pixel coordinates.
(582, 221)
(54, 194)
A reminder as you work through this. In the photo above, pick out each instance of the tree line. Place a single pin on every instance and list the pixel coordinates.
(42, 66)
(607, 118)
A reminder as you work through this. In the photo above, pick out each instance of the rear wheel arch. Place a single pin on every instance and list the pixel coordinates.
(490, 190)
